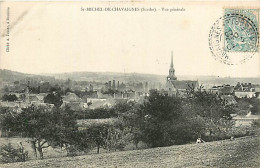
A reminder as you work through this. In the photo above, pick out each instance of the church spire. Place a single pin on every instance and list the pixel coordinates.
(171, 75)
(172, 60)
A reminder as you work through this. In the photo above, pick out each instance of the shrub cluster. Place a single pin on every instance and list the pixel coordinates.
(10, 154)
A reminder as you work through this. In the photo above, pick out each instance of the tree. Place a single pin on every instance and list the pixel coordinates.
(133, 120)
(34, 123)
(97, 135)
(7, 116)
(45, 127)
(117, 138)
(122, 107)
(55, 88)
(161, 115)
(65, 130)
(53, 99)
(216, 115)
(210, 105)
(254, 105)
(10, 97)
(98, 113)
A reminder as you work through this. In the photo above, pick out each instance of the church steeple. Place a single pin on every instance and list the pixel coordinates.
(171, 61)
(171, 75)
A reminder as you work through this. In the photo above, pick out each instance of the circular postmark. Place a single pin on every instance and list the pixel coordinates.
(233, 39)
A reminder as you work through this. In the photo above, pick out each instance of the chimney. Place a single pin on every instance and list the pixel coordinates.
(114, 85)
(109, 84)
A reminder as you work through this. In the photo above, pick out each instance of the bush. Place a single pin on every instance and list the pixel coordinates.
(10, 154)
(74, 150)
(236, 132)
(10, 97)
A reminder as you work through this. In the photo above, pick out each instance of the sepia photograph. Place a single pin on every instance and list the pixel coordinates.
(130, 84)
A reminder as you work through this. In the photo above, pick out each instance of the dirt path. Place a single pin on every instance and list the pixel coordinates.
(242, 152)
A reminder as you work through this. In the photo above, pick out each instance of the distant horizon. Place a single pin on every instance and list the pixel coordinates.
(182, 75)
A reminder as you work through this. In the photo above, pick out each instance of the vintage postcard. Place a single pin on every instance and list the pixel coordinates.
(130, 84)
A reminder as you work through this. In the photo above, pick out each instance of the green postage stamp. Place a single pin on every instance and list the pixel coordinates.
(234, 37)
(241, 30)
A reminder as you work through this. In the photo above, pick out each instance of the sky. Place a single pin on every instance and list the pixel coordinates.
(55, 37)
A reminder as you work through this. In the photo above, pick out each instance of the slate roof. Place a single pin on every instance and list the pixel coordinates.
(33, 98)
(71, 97)
(184, 85)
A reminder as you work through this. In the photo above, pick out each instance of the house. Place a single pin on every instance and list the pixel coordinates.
(34, 98)
(129, 94)
(214, 90)
(245, 87)
(257, 89)
(41, 96)
(222, 90)
(14, 106)
(97, 103)
(241, 94)
(71, 97)
(226, 90)
(89, 94)
(74, 106)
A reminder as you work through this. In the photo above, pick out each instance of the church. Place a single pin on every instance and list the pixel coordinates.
(178, 87)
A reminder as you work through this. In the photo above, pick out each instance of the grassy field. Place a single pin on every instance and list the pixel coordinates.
(242, 152)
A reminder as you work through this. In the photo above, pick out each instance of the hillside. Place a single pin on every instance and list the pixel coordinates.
(138, 77)
(7, 75)
(10, 76)
(106, 76)
(242, 152)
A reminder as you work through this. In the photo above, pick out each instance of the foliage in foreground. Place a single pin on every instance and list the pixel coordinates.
(164, 120)
(10, 154)
(160, 120)
(43, 127)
